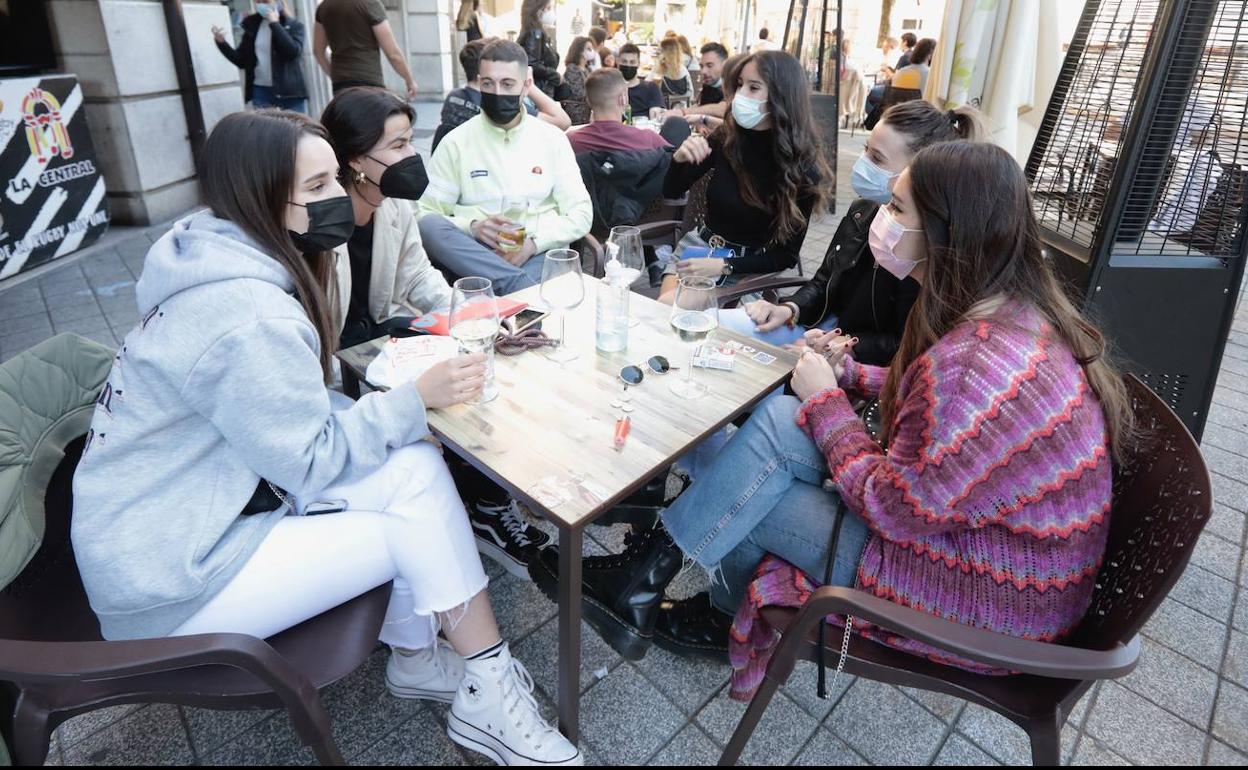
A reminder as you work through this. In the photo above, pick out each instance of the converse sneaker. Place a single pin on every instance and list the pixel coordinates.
(494, 713)
(504, 535)
(433, 673)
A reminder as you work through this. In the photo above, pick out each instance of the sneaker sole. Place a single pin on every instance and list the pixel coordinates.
(503, 559)
(630, 643)
(415, 693)
(471, 737)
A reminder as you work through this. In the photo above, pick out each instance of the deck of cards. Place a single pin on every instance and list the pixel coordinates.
(711, 355)
(750, 351)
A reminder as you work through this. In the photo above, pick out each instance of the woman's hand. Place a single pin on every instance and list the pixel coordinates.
(767, 316)
(813, 374)
(218, 34)
(453, 381)
(694, 150)
(701, 267)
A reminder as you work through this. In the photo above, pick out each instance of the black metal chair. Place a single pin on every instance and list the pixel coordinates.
(1162, 500)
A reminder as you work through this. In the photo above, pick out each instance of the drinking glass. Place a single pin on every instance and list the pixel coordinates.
(562, 289)
(624, 245)
(511, 239)
(695, 314)
(474, 325)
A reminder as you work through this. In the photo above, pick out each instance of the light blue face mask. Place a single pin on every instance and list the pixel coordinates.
(872, 182)
(747, 112)
(264, 9)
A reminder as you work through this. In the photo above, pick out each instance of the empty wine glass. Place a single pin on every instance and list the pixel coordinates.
(562, 289)
(695, 314)
(474, 325)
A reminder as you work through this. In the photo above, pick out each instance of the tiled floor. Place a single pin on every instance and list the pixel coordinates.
(1186, 704)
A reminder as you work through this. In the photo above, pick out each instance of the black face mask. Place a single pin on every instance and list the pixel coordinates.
(330, 224)
(406, 179)
(628, 72)
(501, 109)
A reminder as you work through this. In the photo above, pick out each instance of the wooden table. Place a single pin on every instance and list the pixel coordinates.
(555, 421)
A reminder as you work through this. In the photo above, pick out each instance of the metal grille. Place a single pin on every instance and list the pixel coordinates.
(1187, 195)
(1170, 387)
(1090, 113)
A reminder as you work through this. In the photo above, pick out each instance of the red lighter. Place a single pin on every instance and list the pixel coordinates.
(622, 426)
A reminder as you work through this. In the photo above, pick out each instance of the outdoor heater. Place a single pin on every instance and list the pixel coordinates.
(1139, 184)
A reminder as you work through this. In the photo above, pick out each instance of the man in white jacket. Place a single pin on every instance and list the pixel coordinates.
(500, 169)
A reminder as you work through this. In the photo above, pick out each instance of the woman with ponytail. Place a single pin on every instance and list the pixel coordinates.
(850, 291)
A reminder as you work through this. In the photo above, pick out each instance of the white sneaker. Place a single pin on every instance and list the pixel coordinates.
(433, 673)
(494, 713)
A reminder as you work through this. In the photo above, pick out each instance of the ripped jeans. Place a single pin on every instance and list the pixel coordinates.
(404, 522)
(763, 494)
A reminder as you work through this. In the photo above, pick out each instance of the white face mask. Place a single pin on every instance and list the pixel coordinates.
(548, 18)
(748, 112)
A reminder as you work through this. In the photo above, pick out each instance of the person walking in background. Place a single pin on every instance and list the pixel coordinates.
(535, 17)
(467, 21)
(764, 42)
(269, 57)
(357, 32)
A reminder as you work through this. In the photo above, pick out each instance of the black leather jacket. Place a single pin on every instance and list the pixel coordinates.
(543, 59)
(869, 302)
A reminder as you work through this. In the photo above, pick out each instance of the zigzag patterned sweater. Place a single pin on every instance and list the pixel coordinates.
(991, 505)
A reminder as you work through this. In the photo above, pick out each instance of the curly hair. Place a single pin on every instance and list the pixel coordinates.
(796, 147)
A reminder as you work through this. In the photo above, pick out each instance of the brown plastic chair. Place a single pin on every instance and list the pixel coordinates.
(58, 666)
(1161, 503)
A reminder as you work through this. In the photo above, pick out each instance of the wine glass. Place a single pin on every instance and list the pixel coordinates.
(474, 325)
(695, 314)
(562, 289)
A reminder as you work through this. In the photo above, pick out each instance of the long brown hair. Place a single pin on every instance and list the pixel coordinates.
(983, 242)
(796, 148)
(251, 189)
(576, 52)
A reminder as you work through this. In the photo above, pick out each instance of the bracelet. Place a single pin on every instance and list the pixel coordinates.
(792, 322)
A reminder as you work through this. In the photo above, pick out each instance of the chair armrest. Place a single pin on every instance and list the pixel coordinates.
(987, 647)
(770, 282)
(662, 227)
(24, 661)
(590, 243)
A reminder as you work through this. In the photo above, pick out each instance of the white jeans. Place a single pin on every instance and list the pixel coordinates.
(404, 522)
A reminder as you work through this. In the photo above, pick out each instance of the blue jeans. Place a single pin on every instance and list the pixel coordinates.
(458, 254)
(764, 494)
(262, 96)
(697, 461)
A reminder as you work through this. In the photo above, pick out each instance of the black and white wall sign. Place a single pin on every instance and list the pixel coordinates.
(52, 202)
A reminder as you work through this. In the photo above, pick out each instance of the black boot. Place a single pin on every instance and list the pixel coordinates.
(694, 628)
(620, 593)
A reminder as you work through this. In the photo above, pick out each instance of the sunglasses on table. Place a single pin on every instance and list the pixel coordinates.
(634, 374)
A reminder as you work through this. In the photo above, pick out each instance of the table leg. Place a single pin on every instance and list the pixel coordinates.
(350, 383)
(570, 631)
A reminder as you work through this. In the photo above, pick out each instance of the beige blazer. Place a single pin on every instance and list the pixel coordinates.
(403, 280)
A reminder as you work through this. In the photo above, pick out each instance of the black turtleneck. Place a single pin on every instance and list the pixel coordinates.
(730, 217)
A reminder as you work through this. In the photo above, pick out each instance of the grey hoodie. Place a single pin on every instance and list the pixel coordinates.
(217, 387)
